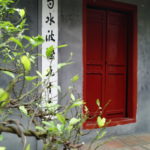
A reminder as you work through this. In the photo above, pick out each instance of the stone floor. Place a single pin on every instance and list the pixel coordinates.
(128, 142)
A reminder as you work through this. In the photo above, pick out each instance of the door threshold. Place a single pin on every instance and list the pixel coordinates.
(113, 122)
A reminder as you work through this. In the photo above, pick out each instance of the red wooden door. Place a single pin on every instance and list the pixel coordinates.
(106, 61)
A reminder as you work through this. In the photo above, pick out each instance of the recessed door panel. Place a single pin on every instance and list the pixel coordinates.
(116, 39)
(116, 65)
(116, 93)
(94, 91)
(95, 58)
(106, 61)
(95, 36)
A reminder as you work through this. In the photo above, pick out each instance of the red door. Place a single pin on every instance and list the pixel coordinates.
(106, 62)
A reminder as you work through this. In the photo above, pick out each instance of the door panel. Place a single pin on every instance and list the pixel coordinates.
(116, 65)
(95, 37)
(106, 61)
(116, 92)
(95, 58)
(94, 91)
(116, 39)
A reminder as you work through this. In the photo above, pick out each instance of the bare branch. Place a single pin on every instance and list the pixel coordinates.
(7, 69)
(13, 130)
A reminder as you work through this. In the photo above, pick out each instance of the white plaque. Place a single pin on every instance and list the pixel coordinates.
(50, 34)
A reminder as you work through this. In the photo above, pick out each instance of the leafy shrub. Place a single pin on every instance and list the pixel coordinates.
(22, 96)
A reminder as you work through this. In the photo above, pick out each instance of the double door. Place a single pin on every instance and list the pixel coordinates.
(106, 62)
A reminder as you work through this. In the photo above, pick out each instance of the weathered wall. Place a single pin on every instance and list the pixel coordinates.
(70, 32)
(11, 141)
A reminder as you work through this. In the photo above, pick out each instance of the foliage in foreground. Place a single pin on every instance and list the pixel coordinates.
(22, 95)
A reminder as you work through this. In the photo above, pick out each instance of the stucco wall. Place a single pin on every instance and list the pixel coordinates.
(70, 32)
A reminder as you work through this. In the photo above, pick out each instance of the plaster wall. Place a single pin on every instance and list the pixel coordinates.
(70, 32)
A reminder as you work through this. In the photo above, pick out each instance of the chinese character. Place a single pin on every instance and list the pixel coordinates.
(50, 4)
(52, 57)
(49, 87)
(50, 36)
(50, 19)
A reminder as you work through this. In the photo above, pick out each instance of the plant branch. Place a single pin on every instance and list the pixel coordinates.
(7, 69)
(13, 130)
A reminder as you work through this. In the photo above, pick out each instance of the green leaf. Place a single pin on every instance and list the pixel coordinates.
(2, 148)
(75, 78)
(57, 87)
(9, 74)
(50, 126)
(21, 12)
(22, 25)
(3, 95)
(15, 40)
(26, 63)
(76, 104)
(38, 40)
(28, 38)
(23, 110)
(86, 109)
(98, 102)
(69, 128)
(61, 118)
(28, 147)
(60, 128)
(48, 123)
(39, 74)
(72, 97)
(30, 78)
(101, 121)
(39, 128)
(4, 103)
(52, 107)
(6, 2)
(74, 121)
(34, 41)
(1, 137)
(49, 51)
(64, 45)
(61, 65)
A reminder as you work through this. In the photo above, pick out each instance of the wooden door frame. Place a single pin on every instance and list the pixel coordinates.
(132, 58)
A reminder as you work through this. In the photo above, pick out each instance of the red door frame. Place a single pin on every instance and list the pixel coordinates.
(132, 58)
